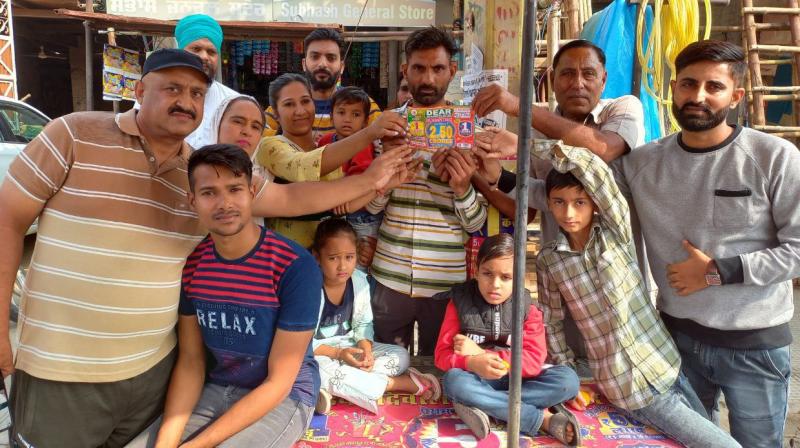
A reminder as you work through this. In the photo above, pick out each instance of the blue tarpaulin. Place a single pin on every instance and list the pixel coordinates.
(614, 30)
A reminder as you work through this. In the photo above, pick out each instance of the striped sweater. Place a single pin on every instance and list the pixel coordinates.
(420, 248)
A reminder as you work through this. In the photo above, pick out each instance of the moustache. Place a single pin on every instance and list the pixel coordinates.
(224, 214)
(427, 87)
(703, 106)
(322, 70)
(182, 111)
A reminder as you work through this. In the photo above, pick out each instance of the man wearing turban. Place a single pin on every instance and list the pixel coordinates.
(201, 35)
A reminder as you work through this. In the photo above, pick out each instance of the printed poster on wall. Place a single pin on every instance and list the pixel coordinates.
(121, 71)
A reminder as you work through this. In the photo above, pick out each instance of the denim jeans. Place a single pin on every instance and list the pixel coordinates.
(366, 225)
(679, 414)
(281, 427)
(552, 386)
(755, 384)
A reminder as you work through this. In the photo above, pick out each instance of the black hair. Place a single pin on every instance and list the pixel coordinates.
(282, 81)
(351, 95)
(324, 34)
(497, 246)
(330, 228)
(428, 38)
(252, 100)
(231, 157)
(579, 43)
(557, 181)
(714, 51)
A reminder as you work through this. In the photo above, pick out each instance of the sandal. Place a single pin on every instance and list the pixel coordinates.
(416, 375)
(475, 419)
(559, 421)
(324, 400)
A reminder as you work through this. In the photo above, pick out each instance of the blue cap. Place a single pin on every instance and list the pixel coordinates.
(173, 57)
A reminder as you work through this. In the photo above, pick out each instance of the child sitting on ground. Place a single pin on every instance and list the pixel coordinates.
(351, 365)
(474, 350)
(591, 270)
(350, 111)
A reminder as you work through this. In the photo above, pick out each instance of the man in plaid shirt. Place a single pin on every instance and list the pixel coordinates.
(591, 270)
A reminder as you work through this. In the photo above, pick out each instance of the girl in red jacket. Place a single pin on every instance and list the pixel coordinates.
(474, 349)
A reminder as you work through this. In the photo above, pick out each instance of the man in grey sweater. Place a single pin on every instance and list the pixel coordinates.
(718, 208)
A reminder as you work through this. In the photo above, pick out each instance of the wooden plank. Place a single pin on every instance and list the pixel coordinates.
(771, 128)
(769, 10)
(231, 29)
(738, 28)
(776, 89)
(794, 23)
(774, 48)
(751, 39)
(784, 97)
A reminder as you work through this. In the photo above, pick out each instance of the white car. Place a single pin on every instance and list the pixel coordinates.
(19, 124)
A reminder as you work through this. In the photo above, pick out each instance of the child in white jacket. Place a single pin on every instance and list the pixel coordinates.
(351, 365)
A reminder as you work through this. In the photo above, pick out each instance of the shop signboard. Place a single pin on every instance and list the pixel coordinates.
(378, 13)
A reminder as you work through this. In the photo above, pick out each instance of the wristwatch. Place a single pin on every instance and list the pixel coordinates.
(712, 275)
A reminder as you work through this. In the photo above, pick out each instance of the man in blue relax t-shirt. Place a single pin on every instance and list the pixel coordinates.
(251, 298)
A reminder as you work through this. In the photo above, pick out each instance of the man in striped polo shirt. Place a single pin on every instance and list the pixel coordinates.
(420, 248)
(96, 328)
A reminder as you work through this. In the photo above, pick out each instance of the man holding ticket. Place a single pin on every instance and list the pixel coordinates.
(420, 248)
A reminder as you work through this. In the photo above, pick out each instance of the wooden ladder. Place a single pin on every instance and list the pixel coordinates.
(759, 94)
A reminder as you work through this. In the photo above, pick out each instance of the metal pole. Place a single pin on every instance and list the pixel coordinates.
(521, 220)
(87, 36)
(112, 40)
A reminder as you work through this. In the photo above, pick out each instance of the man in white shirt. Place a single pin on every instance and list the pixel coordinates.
(201, 35)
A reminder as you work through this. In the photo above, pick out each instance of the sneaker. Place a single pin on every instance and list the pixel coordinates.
(323, 402)
(476, 420)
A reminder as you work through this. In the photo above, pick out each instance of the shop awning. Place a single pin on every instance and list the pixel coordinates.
(233, 30)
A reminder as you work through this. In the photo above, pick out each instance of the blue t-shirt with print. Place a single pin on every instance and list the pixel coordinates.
(240, 304)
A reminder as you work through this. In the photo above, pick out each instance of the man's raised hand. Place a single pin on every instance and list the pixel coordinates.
(495, 97)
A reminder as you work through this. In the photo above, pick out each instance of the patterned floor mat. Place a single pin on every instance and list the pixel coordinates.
(406, 421)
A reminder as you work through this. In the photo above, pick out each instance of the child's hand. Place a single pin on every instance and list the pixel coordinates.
(389, 124)
(465, 346)
(352, 356)
(487, 365)
(367, 358)
(365, 250)
(584, 398)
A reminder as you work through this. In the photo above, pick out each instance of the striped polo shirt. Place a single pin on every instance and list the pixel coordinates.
(421, 240)
(101, 297)
(323, 123)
